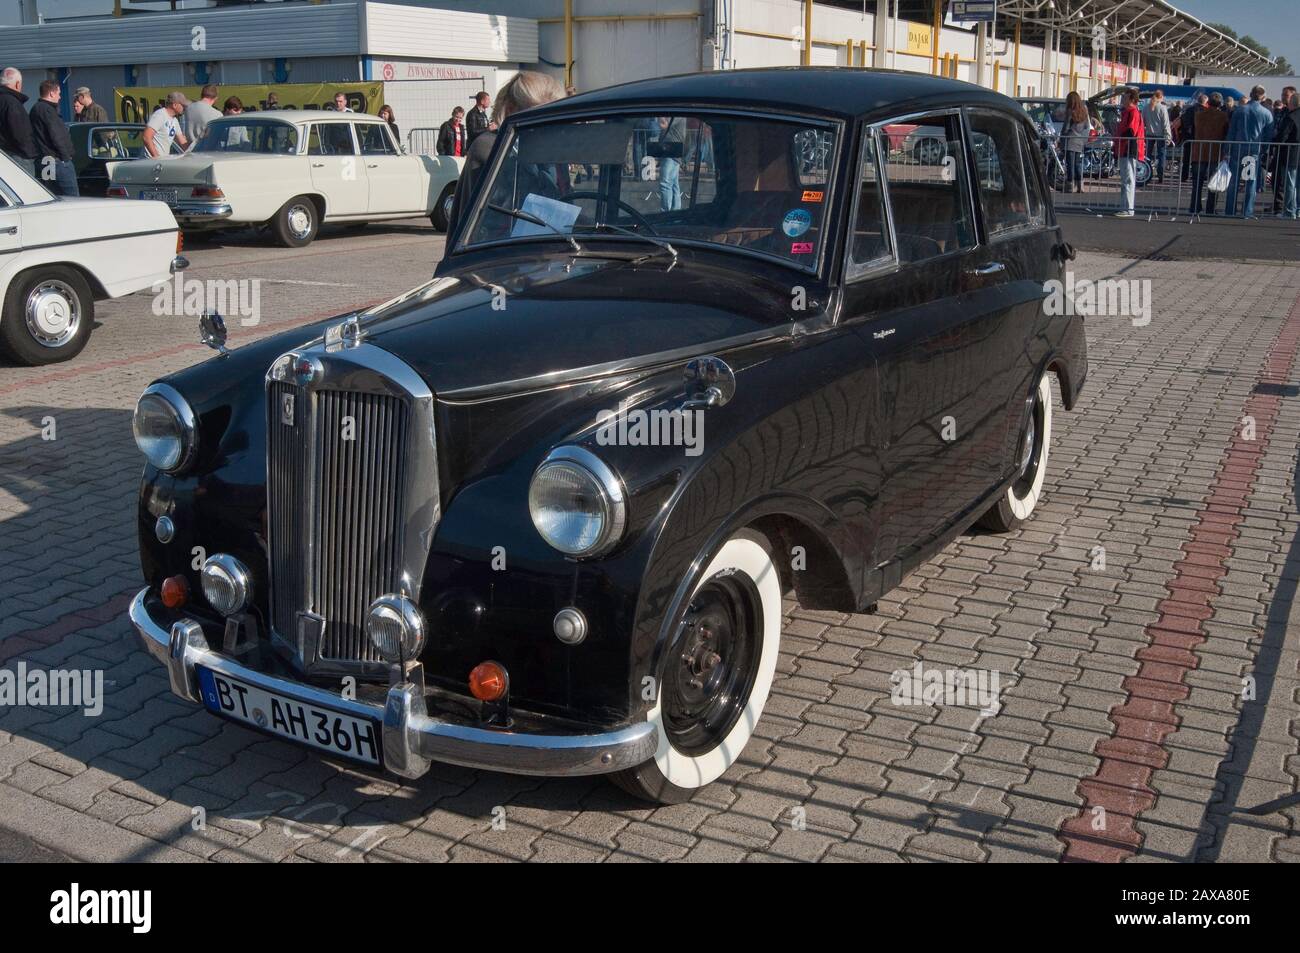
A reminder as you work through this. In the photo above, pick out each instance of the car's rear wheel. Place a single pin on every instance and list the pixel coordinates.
(48, 314)
(297, 222)
(715, 675)
(1018, 501)
(440, 217)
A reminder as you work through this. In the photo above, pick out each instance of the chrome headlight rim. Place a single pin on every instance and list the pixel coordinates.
(414, 634)
(612, 493)
(236, 575)
(185, 419)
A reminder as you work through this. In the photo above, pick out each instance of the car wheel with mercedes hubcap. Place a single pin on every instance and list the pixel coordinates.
(297, 222)
(48, 314)
(714, 675)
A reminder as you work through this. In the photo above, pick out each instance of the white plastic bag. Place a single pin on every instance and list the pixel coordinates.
(1222, 176)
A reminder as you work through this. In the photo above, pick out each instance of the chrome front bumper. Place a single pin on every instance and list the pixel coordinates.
(201, 213)
(411, 737)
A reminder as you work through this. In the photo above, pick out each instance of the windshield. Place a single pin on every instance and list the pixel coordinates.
(266, 136)
(748, 183)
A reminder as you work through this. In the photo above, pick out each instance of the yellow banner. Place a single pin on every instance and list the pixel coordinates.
(918, 38)
(136, 103)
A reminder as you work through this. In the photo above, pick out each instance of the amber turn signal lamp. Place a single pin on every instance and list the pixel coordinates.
(175, 592)
(488, 681)
(180, 241)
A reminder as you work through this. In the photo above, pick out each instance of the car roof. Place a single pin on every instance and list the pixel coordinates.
(303, 115)
(835, 91)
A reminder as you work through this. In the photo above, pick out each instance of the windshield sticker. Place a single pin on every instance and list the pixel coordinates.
(810, 196)
(796, 222)
(801, 248)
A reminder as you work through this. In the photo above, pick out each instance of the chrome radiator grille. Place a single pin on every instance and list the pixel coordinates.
(336, 491)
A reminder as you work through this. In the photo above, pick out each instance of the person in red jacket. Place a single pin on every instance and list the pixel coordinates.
(1130, 149)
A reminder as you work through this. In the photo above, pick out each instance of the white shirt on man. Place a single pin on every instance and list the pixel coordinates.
(166, 128)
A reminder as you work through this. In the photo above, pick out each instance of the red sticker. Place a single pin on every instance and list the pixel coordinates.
(810, 196)
(801, 248)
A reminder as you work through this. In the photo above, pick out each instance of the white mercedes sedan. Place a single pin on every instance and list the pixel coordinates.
(58, 256)
(291, 171)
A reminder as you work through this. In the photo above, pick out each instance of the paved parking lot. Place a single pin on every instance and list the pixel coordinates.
(1148, 692)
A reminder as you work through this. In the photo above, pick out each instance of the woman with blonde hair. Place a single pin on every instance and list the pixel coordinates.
(526, 90)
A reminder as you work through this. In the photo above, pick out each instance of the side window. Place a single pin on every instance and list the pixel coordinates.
(996, 143)
(1037, 204)
(929, 196)
(870, 243)
(374, 140)
(330, 139)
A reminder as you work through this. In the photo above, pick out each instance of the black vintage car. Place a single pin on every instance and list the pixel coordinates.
(538, 515)
(95, 144)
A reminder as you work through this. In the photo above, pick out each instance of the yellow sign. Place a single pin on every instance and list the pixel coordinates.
(918, 38)
(136, 103)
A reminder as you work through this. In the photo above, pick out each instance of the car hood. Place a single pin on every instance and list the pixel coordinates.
(526, 324)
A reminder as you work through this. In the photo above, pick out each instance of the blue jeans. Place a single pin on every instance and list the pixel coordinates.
(1289, 206)
(1157, 152)
(1074, 170)
(58, 175)
(670, 187)
(1239, 159)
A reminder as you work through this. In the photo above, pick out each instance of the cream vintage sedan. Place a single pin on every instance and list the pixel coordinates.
(58, 256)
(291, 171)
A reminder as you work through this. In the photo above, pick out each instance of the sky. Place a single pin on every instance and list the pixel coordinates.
(1275, 23)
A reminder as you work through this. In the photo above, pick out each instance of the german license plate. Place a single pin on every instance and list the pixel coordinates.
(334, 731)
(159, 195)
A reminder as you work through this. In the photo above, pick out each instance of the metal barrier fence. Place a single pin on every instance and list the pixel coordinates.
(1198, 178)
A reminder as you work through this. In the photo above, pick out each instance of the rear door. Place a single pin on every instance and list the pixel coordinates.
(394, 180)
(337, 171)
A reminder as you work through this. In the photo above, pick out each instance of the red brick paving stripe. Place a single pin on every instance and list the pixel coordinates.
(1122, 783)
(31, 640)
(72, 373)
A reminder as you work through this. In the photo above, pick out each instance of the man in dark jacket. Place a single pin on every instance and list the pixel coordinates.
(478, 120)
(15, 128)
(53, 144)
(1186, 131)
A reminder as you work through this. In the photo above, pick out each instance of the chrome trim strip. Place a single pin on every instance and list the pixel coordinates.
(412, 738)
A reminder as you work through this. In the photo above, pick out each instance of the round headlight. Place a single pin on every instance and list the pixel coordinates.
(226, 584)
(577, 503)
(395, 628)
(164, 427)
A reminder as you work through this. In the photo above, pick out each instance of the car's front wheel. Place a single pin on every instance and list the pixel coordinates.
(1019, 499)
(297, 222)
(48, 314)
(715, 675)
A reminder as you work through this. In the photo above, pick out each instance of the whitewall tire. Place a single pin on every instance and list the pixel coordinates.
(1018, 501)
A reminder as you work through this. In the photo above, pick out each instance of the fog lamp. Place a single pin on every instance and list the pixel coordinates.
(227, 585)
(395, 628)
(488, 681)
(175, 592)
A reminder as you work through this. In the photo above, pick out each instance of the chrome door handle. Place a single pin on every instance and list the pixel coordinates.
(372, 165)
(11, 230)
(318, 165)
(983, 271)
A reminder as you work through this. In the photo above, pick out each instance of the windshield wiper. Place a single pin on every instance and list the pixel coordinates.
(662, 243)
(533, 219)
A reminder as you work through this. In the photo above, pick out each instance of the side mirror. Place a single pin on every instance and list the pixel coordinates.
(710, 382)
(212, 331)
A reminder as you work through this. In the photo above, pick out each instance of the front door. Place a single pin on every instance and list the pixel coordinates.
(337, 171)
(394, 179)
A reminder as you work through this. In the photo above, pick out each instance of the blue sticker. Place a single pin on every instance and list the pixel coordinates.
(796, 222)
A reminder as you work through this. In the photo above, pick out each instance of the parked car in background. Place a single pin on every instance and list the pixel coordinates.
(553, 536)
(291, 171)
(58, 256)
(95, 145)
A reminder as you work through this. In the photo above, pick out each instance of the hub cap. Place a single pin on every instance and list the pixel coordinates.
(712, 664)
(300, 218)
(1031, 452)
(53, 313)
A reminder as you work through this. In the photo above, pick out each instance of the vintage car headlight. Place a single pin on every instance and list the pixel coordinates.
(396, 628)
(227, 585)
(577, 502)
(165, 430)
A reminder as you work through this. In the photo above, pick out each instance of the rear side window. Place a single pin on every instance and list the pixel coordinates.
(374, 140)
(929, 195)
(330, 139)
(1000, 173)
(870, 242)
(1037, 203)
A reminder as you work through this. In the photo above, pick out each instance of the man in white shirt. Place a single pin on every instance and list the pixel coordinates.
(199, 114)
(341, 103)
(165, 126)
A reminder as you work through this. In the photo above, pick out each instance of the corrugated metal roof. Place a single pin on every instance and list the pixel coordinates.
(261, 32)
(430, 33)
